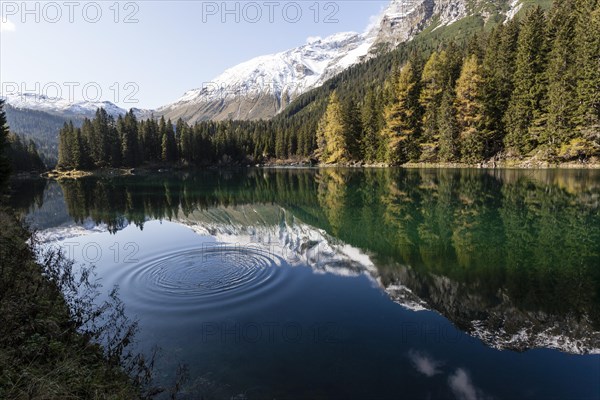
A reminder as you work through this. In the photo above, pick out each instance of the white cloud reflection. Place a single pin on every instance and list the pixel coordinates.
(424, 364)
(462, 386)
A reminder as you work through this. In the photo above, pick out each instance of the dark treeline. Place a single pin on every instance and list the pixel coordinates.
(40, 126)
(17, 154)
(127, 142)
(526, 88)
(23, 155)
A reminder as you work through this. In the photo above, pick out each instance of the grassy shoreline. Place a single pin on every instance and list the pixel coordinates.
(45, 351)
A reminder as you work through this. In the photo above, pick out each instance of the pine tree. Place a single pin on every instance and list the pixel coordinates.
(526, 101)
(469, 111)
(448, 128)
(587, 50)
(562, 74)
(4, 162)
(498, 71)
(352, 122)
(64, 159)
(401, 132)
(87, 139)
(72, 150)
(280, 150)
(22, 154)
(128, 131)
(186, 141)
(370, 127)
(169, 144)
(34, 160)
(80, 155)
(99, 139)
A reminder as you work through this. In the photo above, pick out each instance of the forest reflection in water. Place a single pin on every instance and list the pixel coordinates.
(510, 256)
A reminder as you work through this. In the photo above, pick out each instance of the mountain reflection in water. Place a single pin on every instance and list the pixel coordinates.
(508, 256)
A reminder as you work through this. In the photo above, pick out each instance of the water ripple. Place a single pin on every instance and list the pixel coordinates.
(203, 277)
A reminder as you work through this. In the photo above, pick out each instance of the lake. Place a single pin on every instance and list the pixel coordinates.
(349, 284)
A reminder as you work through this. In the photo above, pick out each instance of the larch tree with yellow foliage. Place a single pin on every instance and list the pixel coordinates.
(401, 116)
(469, 111)
(332, 144)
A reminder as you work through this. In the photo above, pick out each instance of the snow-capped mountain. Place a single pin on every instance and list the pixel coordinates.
(59, 106)
(263, 86)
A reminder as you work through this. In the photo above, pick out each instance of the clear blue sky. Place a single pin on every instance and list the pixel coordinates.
(173, 46)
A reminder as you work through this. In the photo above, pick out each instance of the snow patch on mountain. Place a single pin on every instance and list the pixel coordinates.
(60, 106)
(515, 7)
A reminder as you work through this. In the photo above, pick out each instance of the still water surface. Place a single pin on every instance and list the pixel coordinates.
(465, 284)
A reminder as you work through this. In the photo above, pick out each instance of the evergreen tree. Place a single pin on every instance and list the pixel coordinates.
(562, 78)
(448, 128)
(587, 50)
(87, 138)
(352, 122)
(370, 120)
(498, 70)
(4, 162)
(280, 148)
(186, 141)
(525, 106)
(68, 151)
(23, 155)
(100, 139)
(35, 162)
(169, 144)
(130, 148)
(114, 144)
(78, 150)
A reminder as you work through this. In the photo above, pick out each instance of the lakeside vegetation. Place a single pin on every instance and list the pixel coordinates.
(526, 90)
(57, 340)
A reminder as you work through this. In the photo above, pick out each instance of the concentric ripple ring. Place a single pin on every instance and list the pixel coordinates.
(203, 277)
